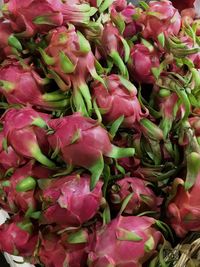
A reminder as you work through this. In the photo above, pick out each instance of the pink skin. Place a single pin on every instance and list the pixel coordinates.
(183, 210)
(55, 252)
(141, 62)
(143, 197)
(107, 248)
(92, 140)
(19, 132)
(5, 32)
(116, 100)
(9, 159)
(16, 241)
(71, 202)
(24, 79)
(195, 124)
(23, 13)
(166, 20)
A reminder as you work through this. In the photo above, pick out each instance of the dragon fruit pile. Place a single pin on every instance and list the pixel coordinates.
(99, 130)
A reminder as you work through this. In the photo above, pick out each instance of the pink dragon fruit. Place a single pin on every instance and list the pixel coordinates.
(160, 18)
(83, 142)
(55, 251)
(17, 237)
(122, 16)
(68, 201)
(143, 198)
(118, 99)
(9, 44)
(14, 76)
(8, 157)
(142, 62)
(124, 242)
(71, 63)
(183, 208)
(30, 17)
(113, 45)
(20, 129)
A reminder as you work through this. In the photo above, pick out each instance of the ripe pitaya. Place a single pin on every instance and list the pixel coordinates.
(56, 251)
(142, 62)
(113, 45)
(183, 4)
(143, 197)
(184, 209)
(20, 129)
(118, 99)
(17, 237)
(161, 18)
(68, 201)
(71, 63)
(83, 142)
(9, 45)
(124, 242)
(8, 157)
(14, 77)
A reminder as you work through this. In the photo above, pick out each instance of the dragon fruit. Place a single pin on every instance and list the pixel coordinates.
(17, 237)
(143, 198)
(183, 208)
(143, 60)
(113, 45)
(160, 18)
(14, 76)
(9, 44)
(9, 158)
(56, 251)
(125, 241)
(71, 63)
(68, 201)
(183, 4)
(83, 142)
(20, 132)
(19, 190)
(118, 99)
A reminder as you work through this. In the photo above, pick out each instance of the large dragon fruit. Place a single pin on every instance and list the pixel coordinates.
(14, 77)
(143, 60)
(21, 132)
(83, 142)
(143, 198)
(125, 241)
(161, 18)
(56, 251)
(71, 63)
(183, 208)
(68, 201)
(118, 99)
(17, 237)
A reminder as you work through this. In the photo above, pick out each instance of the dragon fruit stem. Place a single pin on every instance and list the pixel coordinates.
(37, 154)
(119, 63)
(193, 169)
(14, 42)
(26, 184)
(119, 152)
(96, 171)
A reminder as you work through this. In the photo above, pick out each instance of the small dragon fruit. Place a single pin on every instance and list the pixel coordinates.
(125, 241)
(20, 132)
(183, 208)
(14, 76)
(118, 99)
(9, 44)
(122, 16)
(143, 197)
(8, 157)
(71, 63)
(83, 142)
(56, 251)
(143, 60)
(160, 18)
(17, 237)
(113, 45)
(68, 201)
